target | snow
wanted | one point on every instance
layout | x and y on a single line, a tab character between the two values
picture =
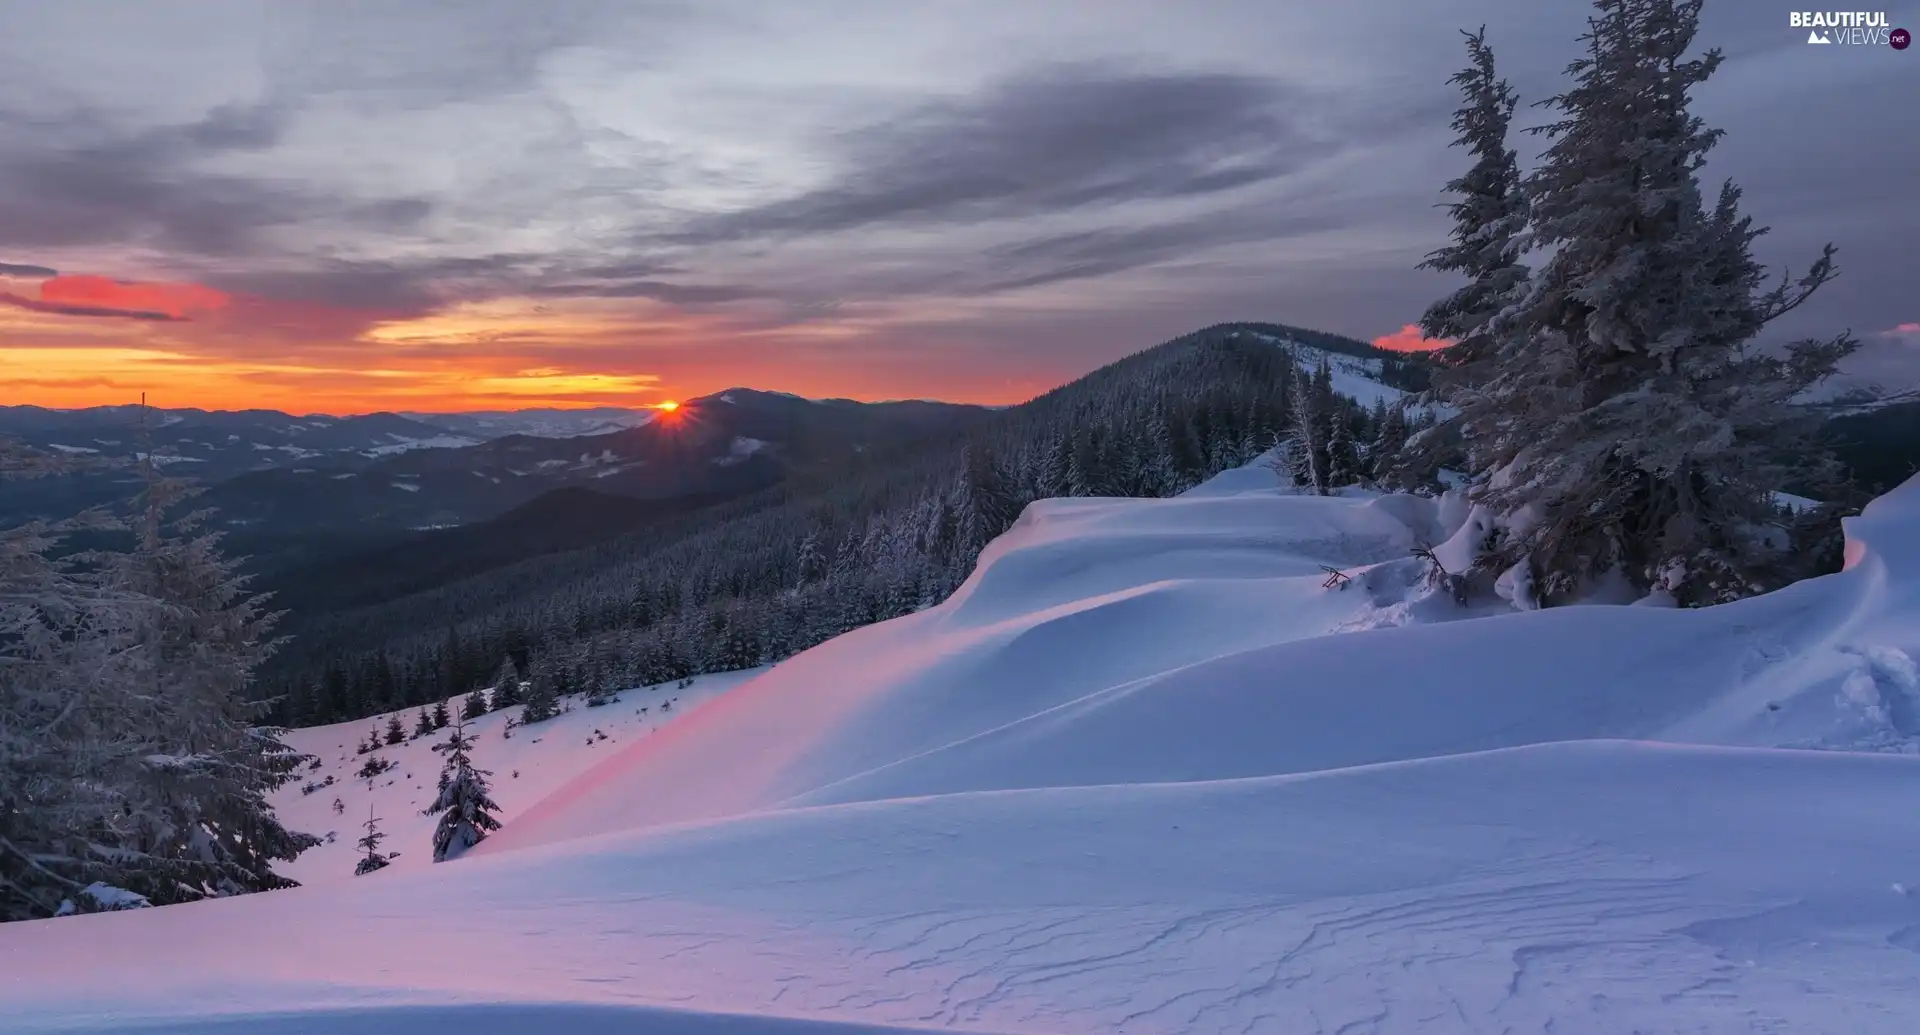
162	460
1885	370
535	423
1143	773
739	450
403	444
106	896
71	449
1356	378
1796	503
406	486
545	755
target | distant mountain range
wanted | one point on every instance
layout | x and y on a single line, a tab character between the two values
382	504
1884	371
725	444
540	423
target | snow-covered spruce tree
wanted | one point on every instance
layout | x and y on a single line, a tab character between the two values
466	811
1343	458
370	844
543	702
199	824
473	705
1627	424
1489	219
1392	469
1306	444
130	768
506	686
70	744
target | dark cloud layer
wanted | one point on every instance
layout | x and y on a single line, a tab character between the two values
78	180
1045	142
396	286
38	306
16	269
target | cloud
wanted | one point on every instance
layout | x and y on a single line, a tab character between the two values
739	195
407	286
1903	331
85	295
175	300
77	181
38	306
1409	339
1054	140
659	291
1103	251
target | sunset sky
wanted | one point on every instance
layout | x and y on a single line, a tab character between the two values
344	207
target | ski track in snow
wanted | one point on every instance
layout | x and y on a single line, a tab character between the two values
1141	774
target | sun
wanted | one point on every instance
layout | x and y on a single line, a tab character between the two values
667	407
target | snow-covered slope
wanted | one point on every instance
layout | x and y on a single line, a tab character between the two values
1146	773
1358	378
527	763
1885	370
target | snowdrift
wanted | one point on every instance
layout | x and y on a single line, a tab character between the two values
1146	773
1105	641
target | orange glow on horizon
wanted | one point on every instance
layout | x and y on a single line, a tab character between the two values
1409	339
77	341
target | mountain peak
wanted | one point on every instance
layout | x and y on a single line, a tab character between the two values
747	396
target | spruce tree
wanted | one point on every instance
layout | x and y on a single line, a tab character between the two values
473	706
466	811
423	725
396	733
69	739
1387	453
1306	438
1488	221
370	843
542	702
198	823
506	686
1343	458
1627	424
440	716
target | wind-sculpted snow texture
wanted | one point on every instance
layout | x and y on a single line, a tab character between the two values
1143	773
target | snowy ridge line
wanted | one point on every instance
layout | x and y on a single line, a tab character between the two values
798	802
1094	791
1070	573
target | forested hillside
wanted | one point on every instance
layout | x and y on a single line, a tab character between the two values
892	531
